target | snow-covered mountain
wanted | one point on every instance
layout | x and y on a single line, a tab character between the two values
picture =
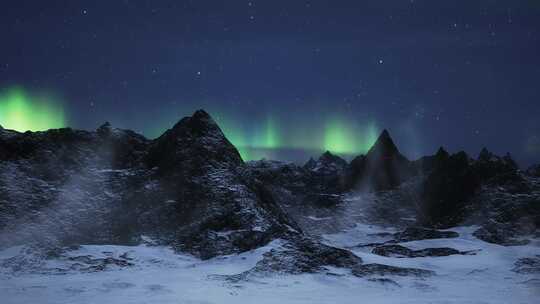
110	216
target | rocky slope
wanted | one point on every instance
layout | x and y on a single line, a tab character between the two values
65	187
189	189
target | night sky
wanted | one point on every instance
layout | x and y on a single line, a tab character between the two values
285	79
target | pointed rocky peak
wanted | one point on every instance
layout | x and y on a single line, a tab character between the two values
384	147
442	152
507	158
104	129
329	159
194	141
200	124
106	125
485	155
441	155
326	162
1	128
201	115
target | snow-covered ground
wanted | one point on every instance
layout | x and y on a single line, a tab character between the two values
158	275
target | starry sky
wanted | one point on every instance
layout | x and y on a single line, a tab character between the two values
285	79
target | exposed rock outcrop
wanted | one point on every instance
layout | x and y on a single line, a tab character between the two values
112	186
447	190
399	251
387	270
420	233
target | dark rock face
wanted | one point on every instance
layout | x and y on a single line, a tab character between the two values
404	252
193	144
408	235
112	186
383	167
223	213
300	255
303	255
427	164
33	260
386	270
327	162
500	234
490	165
327	173
190	189
447	190
420	233
506	218
306	193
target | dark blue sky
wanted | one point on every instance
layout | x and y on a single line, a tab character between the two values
462	74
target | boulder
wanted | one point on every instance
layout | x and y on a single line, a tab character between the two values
420	233
298	256
501	234
399	251
387	270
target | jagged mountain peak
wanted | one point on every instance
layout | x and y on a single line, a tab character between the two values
384	134
327	161
442	151
201	114
329	158
104	129
485	155
199	124
442	154
384	146
197	138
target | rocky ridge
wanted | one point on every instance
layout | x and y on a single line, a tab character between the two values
191	190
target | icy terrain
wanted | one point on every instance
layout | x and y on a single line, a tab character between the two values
158	275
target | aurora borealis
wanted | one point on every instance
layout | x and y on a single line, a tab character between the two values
285	80
339	136
23	111
267	136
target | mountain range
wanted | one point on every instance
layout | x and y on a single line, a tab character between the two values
190	190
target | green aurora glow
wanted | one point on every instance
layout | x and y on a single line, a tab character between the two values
255	138
22	111
339	136
265	136
342	137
